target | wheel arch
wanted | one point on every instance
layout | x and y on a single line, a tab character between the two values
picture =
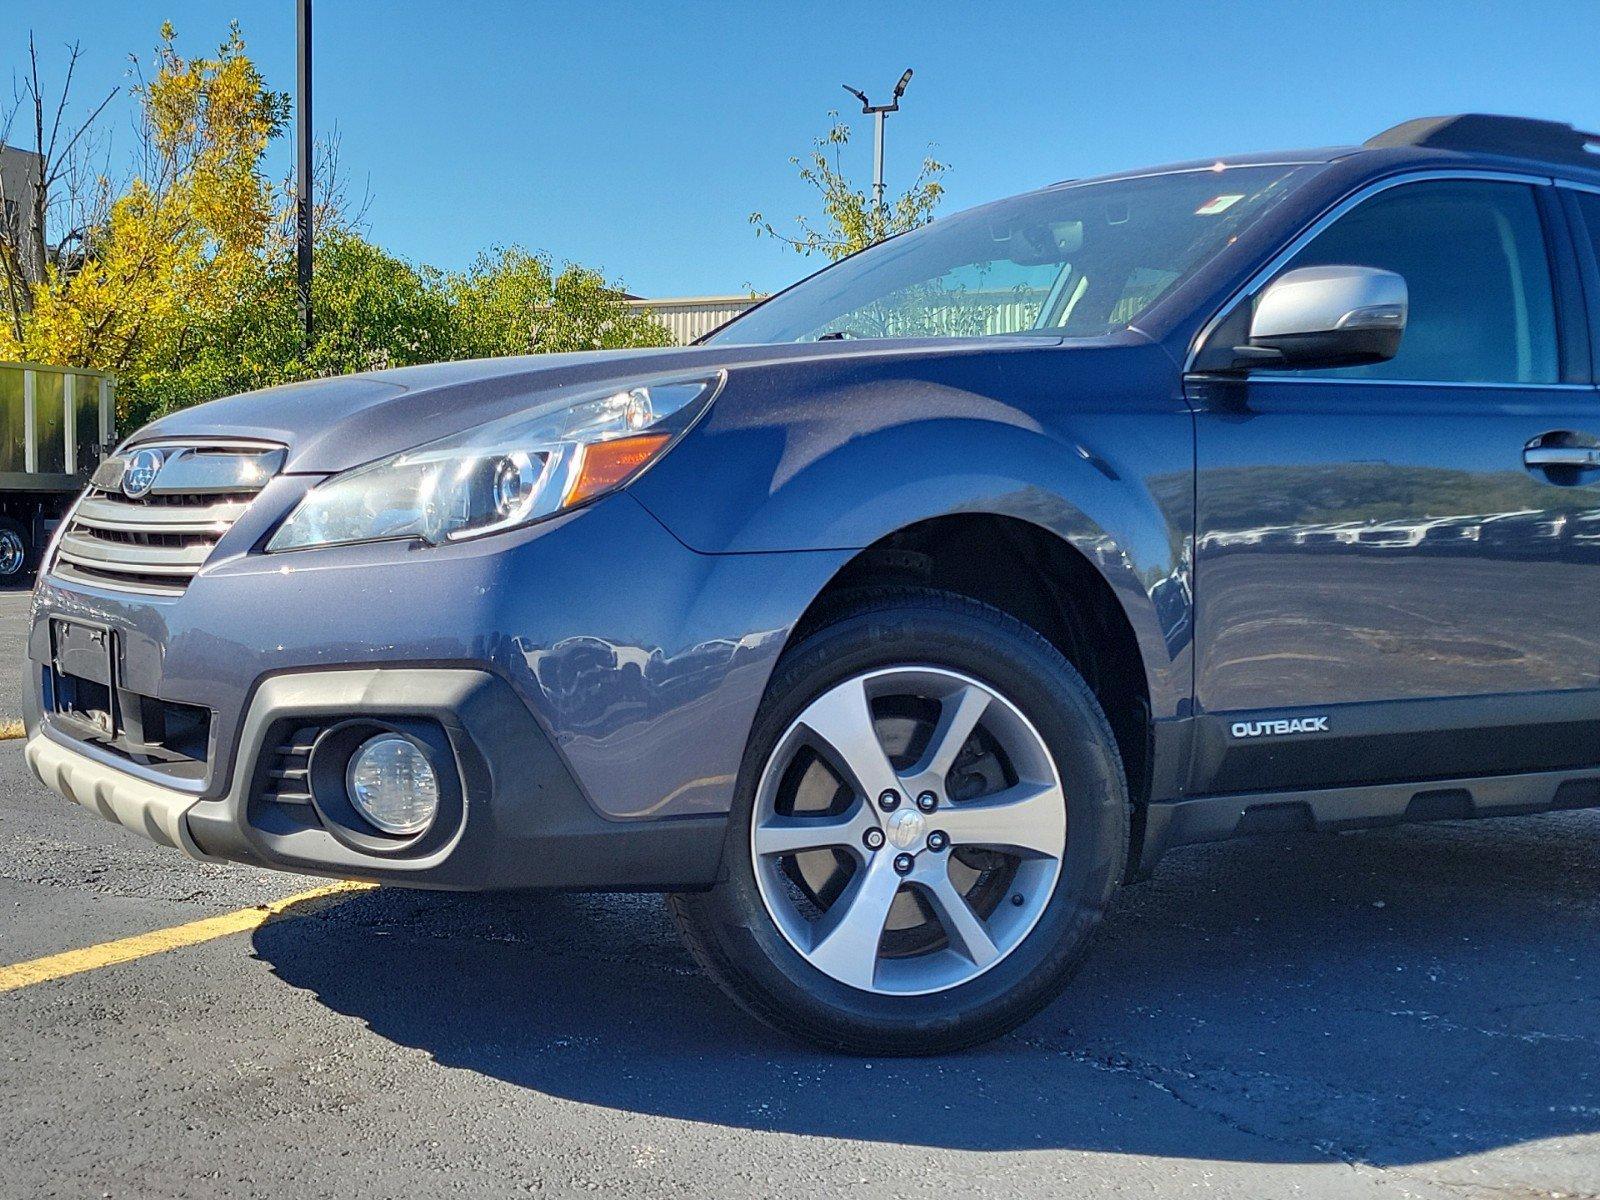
1043	580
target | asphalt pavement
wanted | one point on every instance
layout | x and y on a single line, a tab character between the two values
1408	1012
13	650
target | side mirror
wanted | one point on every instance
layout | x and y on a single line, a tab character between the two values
1335	316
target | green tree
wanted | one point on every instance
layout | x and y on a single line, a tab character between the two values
512	301
851	219
375	310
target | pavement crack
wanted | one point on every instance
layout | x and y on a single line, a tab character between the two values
1166	1079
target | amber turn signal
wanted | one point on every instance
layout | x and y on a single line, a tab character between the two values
608	464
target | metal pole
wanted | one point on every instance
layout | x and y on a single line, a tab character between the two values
69	420
877	158
303	164
880	114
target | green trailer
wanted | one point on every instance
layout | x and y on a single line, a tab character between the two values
55	424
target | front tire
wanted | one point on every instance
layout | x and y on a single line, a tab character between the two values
930	820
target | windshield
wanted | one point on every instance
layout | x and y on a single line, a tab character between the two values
1080	260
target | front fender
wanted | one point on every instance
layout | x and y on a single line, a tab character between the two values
800	464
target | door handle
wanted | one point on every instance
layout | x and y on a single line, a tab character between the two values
1558	451
1562	456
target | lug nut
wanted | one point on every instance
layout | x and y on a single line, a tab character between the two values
903	863
873	838
889	801
927	802
937	840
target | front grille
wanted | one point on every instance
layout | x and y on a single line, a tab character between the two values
157	542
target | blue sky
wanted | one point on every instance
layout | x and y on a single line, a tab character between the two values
638	137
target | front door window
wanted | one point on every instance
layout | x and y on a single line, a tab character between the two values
1473	257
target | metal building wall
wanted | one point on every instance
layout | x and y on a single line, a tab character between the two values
690	317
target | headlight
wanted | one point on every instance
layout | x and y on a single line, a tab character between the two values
501	475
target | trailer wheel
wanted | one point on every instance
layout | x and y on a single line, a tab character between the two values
16	551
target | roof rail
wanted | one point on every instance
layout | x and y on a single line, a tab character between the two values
1518	137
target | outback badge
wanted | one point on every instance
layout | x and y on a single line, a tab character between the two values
1255	729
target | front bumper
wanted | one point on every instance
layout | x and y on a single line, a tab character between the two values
596	678
521	821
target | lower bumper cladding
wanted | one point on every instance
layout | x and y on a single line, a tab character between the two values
516	817
157	812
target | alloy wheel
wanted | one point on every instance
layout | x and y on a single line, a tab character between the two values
908	830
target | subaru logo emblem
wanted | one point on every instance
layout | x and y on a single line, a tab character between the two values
905	828
139	473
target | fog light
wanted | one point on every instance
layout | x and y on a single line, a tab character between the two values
392	784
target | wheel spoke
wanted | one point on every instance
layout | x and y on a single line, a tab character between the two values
793	834
1030	819
842	718
847	937
959	715
962	926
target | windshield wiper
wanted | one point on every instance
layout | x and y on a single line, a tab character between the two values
835	335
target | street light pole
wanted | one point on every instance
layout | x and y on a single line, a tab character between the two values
879	114
303	165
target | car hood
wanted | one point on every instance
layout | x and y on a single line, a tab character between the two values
333	424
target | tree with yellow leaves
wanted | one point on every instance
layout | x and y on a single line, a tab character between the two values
189	235
185	287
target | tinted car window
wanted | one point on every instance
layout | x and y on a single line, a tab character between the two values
1589	205
1589	228
1474	259
1080	260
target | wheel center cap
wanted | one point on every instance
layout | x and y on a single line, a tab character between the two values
905	828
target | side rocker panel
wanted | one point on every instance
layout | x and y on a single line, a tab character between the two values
1217	818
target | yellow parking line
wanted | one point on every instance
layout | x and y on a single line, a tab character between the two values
159	941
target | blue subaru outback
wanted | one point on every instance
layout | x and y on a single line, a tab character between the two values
897	624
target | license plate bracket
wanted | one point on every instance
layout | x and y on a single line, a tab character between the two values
86	651
84	657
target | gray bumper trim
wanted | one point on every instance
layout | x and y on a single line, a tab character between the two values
525	823
146	808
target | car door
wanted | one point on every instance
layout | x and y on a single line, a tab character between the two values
1396	565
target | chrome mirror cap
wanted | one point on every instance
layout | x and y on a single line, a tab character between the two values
1322	317
1316	300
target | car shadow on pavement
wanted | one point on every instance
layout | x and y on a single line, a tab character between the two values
1385	997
